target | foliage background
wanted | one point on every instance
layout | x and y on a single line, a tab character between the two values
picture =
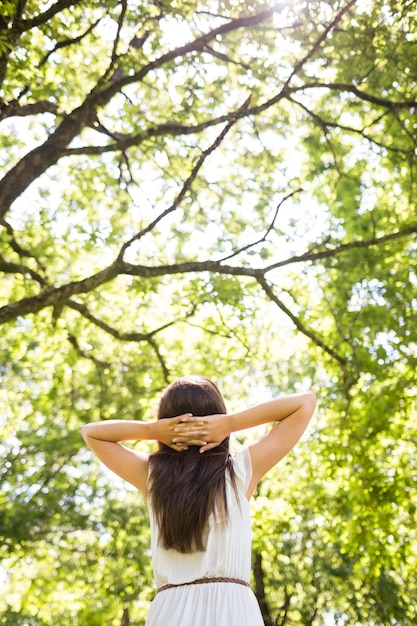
221	188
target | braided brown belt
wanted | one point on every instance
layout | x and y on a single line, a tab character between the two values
202	581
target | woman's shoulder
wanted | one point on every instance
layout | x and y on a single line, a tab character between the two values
242	465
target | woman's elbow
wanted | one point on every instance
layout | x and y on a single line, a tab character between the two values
86	431
310	403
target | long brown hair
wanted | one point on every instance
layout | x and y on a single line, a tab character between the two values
185	487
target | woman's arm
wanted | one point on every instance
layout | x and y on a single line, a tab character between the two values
294	415
104	440
291	415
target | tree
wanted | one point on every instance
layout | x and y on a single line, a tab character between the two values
221	188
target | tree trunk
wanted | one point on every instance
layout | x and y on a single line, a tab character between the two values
260	589
125	617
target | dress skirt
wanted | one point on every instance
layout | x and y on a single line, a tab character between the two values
227	555
209	604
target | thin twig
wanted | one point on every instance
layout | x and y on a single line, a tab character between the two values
269	229
233	117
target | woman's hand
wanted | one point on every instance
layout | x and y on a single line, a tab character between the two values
165	431
207	432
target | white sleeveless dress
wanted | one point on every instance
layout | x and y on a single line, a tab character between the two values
228	555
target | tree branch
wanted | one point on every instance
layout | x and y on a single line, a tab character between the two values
297	323
344	247
393	105
119	30
59	6
53	296
86	355
198	45
169	128
14	109
69	42
311	53
286	89
9	267
269	229
18	26
37	161
117	334
149	337
225	58
325	124
16	247
164	367
123	141
188	183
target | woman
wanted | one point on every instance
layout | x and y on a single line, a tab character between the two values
198	495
